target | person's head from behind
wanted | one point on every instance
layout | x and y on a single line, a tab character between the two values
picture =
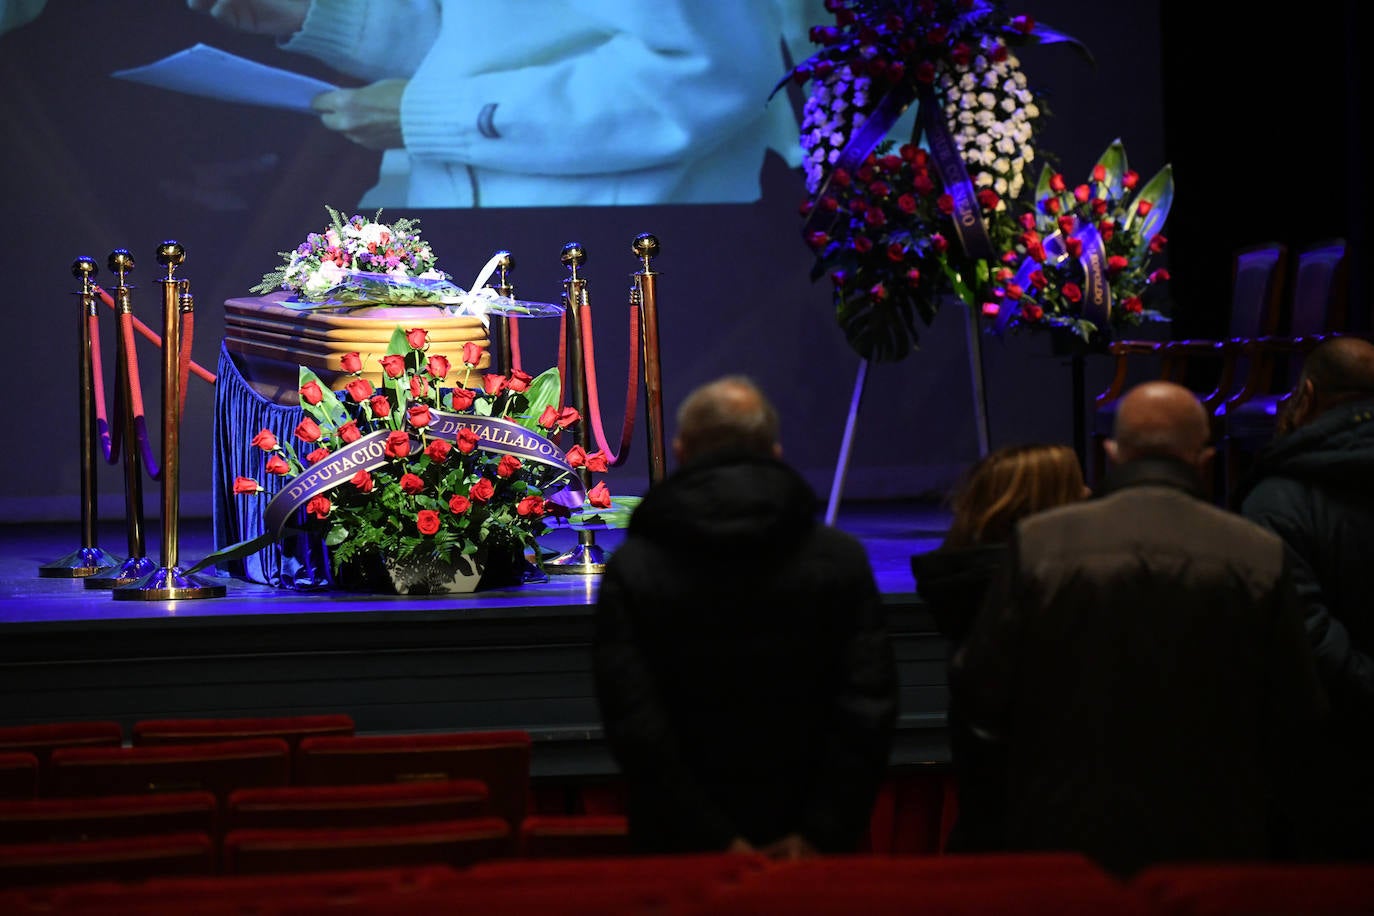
1008	484
729	414
1162	420
1336	371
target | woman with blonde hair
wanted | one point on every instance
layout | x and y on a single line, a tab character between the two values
998	491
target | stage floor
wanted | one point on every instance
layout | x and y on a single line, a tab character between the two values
516	658
891	532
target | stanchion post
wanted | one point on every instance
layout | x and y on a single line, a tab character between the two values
88	559
586	557
500	324
138	563
646	248
168	581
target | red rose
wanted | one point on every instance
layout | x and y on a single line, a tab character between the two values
1099	173
599	496
913	276
988	199
817	240
427	520
1027	221
311	393
507	466
415	337
245	485
277	465
1157	244
1117	263
381	406
530	505
419	416
349	432
906	203
438	366
548	418
362	481
418	387
360	389
482	490
1074	246
317	455
493	384
863	244
397	444
1072	292
925	72
1143	208
459	504
519	381
1015	291
265	440
393	365
318	507
577	456
1130	179
939	243
896	252
1133	304
1099	206
1052	206
307	430
438	450
597	462
945	203
463	398
472	354
1159	276
351	362
1032	312
878	292
567	416
1066	223
467	440
1082	193
411	483
1057	183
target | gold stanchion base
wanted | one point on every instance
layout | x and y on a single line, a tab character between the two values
84	561
168	583
131	570
582	560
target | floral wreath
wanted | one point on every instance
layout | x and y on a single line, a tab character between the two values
898	231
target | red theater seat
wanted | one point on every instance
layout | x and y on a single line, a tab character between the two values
291	729
218	768
382	805
456	843
57	819
18	775
42	740
121	858
551	836
1257	889
501	759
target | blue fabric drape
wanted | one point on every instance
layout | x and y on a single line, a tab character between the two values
298	561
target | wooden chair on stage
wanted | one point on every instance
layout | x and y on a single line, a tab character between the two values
457	843
18	775
500	759
1316	309
218	768
42	739
40	820
382	805
563	836
1257	286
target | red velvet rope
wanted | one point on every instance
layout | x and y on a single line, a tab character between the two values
109	443
157	340
513	335
616	458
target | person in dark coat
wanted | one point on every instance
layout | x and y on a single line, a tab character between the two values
1143	659
1314	487
744	673
1000	489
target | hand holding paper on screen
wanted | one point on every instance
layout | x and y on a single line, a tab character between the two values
212	73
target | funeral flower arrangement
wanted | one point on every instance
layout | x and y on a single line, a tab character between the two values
897	227
357	260
438	463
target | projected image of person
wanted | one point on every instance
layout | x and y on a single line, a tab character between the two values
549	102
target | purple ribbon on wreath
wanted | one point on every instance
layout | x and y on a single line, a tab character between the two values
1096	304
502	437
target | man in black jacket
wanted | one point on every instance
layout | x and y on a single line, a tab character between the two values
1143	660
743	669
1314	487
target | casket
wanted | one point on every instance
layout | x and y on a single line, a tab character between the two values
270	341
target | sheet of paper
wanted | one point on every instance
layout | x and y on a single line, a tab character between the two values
215	74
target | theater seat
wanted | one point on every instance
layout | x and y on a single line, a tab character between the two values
553	836
382	805
218	768
18	775
42	739
56	819
291	729
456	843
1257	889
121	858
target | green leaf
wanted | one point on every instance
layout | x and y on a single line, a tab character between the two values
1159	192
544	391
1113	160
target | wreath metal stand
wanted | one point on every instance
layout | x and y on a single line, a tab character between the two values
980	411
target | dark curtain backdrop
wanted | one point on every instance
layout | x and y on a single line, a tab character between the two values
91	164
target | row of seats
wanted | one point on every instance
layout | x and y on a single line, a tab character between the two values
688	885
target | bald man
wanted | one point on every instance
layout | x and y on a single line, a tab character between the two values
1314	487
1143	660
745	677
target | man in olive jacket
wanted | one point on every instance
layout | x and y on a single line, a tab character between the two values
745	676
1314	487
1144	661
